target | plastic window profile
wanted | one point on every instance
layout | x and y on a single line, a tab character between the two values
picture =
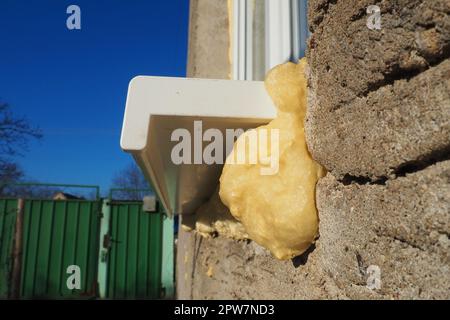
284	33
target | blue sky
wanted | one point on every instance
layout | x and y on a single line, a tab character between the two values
73	83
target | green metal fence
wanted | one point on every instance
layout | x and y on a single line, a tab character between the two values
57	235
117	246
8	211
135	252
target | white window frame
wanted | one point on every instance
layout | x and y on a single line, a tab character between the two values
285	30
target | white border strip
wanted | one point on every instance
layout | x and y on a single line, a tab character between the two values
286	31
278	32
242	60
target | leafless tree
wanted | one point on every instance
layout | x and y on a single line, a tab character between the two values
30	191
15	133
131	179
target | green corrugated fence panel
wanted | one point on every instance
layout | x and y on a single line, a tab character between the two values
134	261
58	234
8	212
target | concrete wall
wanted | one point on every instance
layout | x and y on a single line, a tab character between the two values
378	119
208	55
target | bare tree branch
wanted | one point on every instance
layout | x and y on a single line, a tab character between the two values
15	133
130	178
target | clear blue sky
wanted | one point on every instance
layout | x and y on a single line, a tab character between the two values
73	84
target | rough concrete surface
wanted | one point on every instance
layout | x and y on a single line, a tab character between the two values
403	227
208	55
244	270
379	99
379	120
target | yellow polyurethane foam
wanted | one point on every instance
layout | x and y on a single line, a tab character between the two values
278	211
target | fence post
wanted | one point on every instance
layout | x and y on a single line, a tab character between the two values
102	269
167	267
17	254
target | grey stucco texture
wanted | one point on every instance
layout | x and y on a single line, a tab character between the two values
379	100
379	120
401	227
